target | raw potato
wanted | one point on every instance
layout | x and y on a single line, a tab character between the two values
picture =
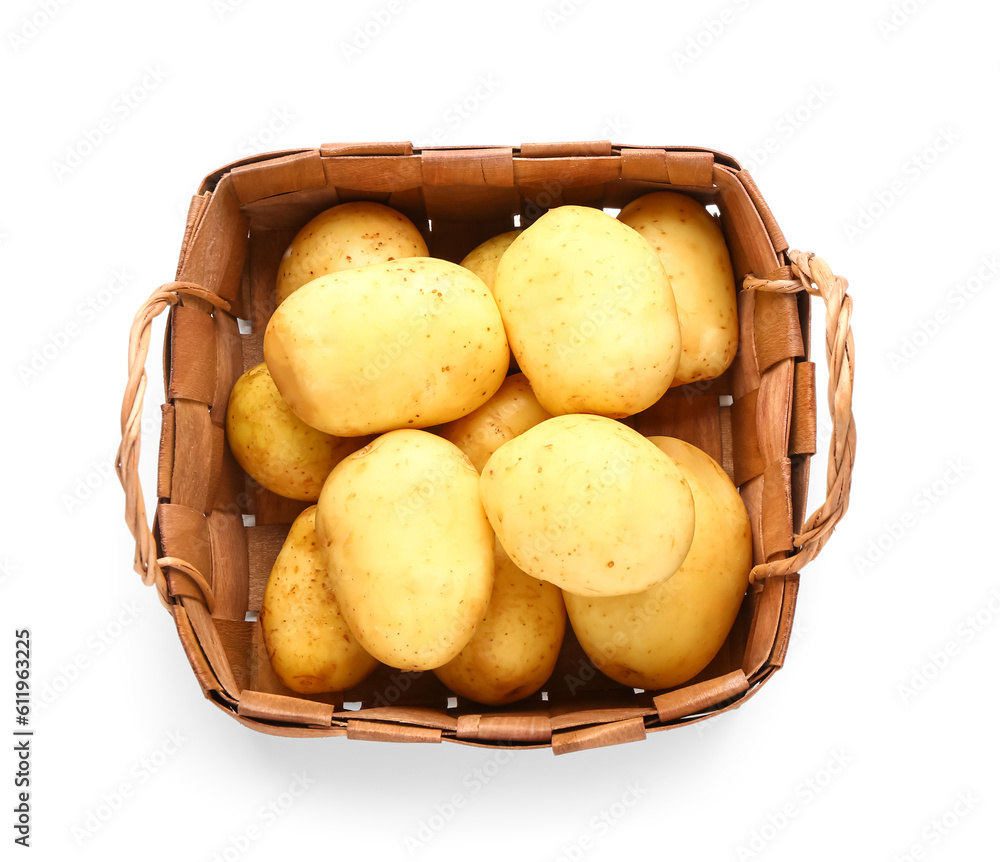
690	244
590	505
306	637
515	646
511	411
397	345
665	636
589	313
485	257
345	237
409	548
274	446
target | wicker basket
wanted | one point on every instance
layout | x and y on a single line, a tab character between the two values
216	533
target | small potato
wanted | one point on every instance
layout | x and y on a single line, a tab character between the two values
408	344
409	548
666	635
589	314
274	446
690	244
345	237
485	257
590	505
306	637
511	411
515	646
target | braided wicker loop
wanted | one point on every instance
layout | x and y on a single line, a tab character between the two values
146	562
804	271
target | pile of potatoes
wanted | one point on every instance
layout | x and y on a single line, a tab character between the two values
456	429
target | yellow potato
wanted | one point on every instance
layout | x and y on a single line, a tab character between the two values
274	446
306	637
398	345
590	505
485	257
409	548
589	314
690	244
666	635
511	411
345	237
516	644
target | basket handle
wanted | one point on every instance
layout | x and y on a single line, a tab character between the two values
147	564
804	271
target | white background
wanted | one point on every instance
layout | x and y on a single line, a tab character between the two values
877	738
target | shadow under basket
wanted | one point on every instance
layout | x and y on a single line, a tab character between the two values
216	533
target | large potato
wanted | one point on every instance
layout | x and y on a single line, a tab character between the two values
666	635
690	244
515	645
274	446
589	313
345	237
485	257
511	411
590	505
306	637
398	345
409	548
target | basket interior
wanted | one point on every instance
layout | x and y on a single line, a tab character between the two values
757	420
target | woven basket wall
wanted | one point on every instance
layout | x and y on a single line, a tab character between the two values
215	532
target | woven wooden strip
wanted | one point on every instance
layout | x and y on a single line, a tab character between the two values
374	173
518	727
263	544
229	565
193	439
802	440
236	637
557	149
196	211
747	458
744	371
279	708
273	176
646	163
192	335
252	349
208	640
694	419
574	714
630	730
265	249
390	148
228	365
691	168
749	245
701	697
165	455
377	731
776	510
784	633
206	677
217	247
408	715
489	166
774	410
764	627
566	171
777	334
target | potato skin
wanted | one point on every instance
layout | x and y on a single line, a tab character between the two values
512	410
343	237
515	646
409	344
485	257
409	548
666	635
590	505
693	251
274	446
309	643
589	313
